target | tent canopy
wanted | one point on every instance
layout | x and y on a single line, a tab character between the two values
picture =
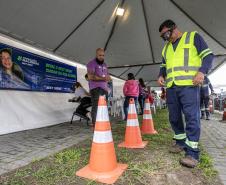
74	29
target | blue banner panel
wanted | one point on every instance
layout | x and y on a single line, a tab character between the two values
22	70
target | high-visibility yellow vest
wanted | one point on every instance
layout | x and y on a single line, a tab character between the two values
183	63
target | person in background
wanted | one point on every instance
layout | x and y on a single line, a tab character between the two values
98	78
142	95
150	96
155	96
204	97
186	58
82	96
163	97
130	90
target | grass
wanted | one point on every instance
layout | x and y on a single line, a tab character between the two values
146	166
206	165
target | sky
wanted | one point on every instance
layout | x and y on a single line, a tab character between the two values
218	78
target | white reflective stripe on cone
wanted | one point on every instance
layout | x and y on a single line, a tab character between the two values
102	136
102	114
147	116
132	122
132	108
147	106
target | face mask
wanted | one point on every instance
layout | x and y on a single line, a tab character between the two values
167	35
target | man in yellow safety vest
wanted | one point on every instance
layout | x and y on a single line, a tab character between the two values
186	58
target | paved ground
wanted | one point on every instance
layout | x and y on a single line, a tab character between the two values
214	140
19	149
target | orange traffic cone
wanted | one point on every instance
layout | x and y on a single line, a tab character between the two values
147	123
224	114
132	136
103	166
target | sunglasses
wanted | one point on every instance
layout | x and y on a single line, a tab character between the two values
166	35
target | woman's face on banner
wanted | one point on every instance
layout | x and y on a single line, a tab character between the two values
6	60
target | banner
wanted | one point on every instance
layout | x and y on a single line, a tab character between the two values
22	70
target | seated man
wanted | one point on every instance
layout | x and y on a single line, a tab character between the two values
82	96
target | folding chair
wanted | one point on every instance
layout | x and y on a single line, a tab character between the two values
81	117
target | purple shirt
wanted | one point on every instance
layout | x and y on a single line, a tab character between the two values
100	70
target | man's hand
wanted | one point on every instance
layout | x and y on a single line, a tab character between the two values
198	79
161	81
108	78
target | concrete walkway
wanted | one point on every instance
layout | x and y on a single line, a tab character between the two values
21	148
213	138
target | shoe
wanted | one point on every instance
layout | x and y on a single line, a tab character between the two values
189	162
207	118
176	149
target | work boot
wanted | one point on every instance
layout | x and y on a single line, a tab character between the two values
189	161
207	118
176	149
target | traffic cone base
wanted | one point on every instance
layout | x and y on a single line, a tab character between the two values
149	132
130	140
147	129
103	177
140	145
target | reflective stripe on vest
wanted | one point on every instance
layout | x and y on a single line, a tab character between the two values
102	136
179	78
191	144
182	68
169	80
184	77
186	51
166	50
180	136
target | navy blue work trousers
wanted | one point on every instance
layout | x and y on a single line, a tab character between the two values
185	100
